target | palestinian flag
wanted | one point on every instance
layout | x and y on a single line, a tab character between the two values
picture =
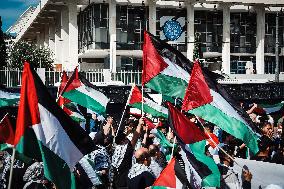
6	133
82	92
149	106
166	71
45	132
61	100
188	133
269	109
8	98
69	107
168	178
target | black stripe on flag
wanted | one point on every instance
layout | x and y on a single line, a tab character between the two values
77	135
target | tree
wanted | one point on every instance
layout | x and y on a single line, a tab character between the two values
38	57
3	52
197	52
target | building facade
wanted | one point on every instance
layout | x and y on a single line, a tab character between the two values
236	37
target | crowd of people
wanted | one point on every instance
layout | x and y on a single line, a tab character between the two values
134	155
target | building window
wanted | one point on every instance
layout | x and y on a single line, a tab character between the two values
130	26
243	32
93	27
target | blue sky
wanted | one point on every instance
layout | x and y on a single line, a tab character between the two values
10	10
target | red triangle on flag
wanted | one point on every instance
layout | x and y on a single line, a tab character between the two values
167	177
153	63
186	130
136	96
149	123
197	92
6	131
61	100
73	83
28	112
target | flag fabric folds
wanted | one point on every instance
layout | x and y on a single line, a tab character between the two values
197	93
167	71
44	132
69	107
6	133
189	134
82	92
186	130
149	105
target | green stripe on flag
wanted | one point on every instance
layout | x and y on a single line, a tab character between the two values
5	146
56	170
167	85
198	150
239	129
85	101
149	110
159	187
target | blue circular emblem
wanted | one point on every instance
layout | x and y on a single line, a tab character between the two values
172	30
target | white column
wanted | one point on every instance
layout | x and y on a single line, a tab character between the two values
190	30
58	42
51	37
41	38
65	39
112	34
226	62
152	16
260	34
46	35
73	35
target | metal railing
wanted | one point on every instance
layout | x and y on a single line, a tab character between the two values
12	77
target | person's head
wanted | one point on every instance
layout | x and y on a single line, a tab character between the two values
267	129
109	120
224	158
209	127
227	138
142	156
154	150
94	116
121	138
99	139
264	145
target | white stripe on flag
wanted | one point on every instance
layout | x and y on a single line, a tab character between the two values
53	136
94	94
174	70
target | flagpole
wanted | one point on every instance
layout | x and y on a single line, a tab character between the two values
219	147
127	103
172	154
11	169
142	108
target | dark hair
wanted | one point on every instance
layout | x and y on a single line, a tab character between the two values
228	149
142	157
99	139
264	143
120	137
154	150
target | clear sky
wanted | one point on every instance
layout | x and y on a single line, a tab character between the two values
10	10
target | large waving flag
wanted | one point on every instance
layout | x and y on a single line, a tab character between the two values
149	106
8	98
6	133
166	71
45	132
82	92
189	134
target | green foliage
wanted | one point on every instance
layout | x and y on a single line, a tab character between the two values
197	52
36	56
3	53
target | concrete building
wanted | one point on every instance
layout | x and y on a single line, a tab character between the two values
235	36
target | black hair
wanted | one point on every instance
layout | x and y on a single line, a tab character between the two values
154	150
264	143
142	157
120	137
228	149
